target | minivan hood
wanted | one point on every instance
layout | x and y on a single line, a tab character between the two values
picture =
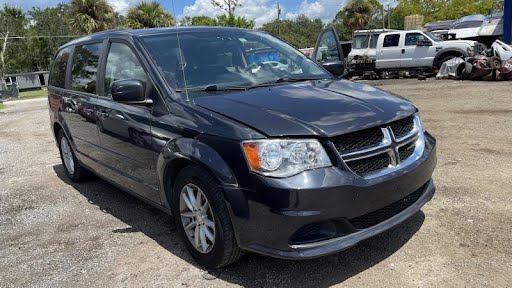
321	108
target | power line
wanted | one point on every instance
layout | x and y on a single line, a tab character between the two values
44	36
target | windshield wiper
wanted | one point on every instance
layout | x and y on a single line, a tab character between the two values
284	80
288	79
212	88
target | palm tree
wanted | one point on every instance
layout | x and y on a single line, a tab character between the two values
357	14
88	16
148	15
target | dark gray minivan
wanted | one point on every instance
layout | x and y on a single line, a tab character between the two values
249	144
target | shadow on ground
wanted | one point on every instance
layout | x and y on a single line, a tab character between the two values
252	270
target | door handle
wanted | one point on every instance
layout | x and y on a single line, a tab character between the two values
403	51
103	115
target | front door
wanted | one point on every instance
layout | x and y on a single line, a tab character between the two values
416	56
125	129
328	52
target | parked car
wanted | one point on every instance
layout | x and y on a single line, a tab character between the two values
283	161
420	50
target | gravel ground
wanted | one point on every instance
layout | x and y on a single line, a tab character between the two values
57	234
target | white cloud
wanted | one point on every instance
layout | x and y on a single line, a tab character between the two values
122	6
261	11
323	9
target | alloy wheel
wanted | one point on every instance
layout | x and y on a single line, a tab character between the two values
67	155
197	218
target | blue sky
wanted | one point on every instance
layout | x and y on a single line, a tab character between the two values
261	11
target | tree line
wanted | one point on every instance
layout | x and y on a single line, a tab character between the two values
28	40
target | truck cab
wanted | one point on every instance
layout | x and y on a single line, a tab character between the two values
419	50
361	58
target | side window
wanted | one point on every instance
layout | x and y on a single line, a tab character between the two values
327	48
85	67
58	72
391	40
412	38
122	64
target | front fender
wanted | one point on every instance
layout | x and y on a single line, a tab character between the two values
197	152
443	52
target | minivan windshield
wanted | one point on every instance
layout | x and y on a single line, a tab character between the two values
223	59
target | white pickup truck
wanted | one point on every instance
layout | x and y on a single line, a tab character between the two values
419	50
394	51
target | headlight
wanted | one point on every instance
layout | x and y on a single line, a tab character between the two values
284	158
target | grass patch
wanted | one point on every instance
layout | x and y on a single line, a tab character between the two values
33	94
2	106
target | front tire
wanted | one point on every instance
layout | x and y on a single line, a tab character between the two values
202	218
74	170
449	57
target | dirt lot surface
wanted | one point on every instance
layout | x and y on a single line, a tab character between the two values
57	234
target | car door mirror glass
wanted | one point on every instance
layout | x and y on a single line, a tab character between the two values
129	90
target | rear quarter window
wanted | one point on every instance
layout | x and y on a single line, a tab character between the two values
85	67
58	71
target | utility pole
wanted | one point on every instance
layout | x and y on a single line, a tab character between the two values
389	15
383	19
278	19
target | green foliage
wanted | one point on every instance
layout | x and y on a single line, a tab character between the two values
148	15
227	5
221	20
12	23
48	22
436	10
232	21
356	15
198	21
88	16
301	32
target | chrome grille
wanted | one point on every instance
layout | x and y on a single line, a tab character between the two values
358	140
380	150
402	128
368	165
406	151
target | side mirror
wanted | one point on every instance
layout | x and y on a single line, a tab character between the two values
423	43
129	91
335	67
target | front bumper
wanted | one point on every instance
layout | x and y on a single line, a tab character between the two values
268	217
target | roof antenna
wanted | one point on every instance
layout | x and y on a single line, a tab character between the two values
181	59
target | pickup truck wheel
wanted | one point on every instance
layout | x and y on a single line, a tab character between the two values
202	218
74	170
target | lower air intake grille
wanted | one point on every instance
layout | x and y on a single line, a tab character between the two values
383	214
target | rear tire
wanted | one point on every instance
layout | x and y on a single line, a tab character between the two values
224	250
74	170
